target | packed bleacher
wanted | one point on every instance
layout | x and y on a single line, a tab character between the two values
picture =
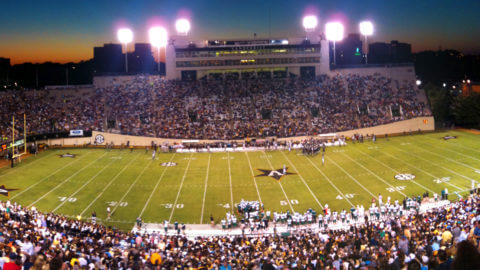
444	237
217	109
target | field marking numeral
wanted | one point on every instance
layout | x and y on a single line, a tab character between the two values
114	203
190	158
477	171
286	203
397	188
227	205
347	196
169	205
442	180
373	147
266	156
225	158
405	143
338	151
67	199
116	158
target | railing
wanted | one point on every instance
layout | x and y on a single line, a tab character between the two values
386	65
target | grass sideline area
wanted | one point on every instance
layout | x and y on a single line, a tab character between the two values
203	184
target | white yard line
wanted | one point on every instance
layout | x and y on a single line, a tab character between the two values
131	186
456	152
180	188
449	159
84	185
413	166
374	174
455	144
23	167
331	183
280	184
155	188
66	180
303	180
443	167
395	171
353	178
253	175
107	186
205	190
230	178
45	178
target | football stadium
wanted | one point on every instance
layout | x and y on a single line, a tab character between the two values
253	153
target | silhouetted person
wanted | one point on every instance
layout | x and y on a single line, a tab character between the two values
444	262
467	257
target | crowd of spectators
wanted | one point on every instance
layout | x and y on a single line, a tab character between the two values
217	109
440	238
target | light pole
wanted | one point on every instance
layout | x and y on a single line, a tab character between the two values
158	38
125	36
334	32
366	28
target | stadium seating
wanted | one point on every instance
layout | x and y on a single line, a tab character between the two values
445	237
216	109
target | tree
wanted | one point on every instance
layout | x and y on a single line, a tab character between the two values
466	110
440	101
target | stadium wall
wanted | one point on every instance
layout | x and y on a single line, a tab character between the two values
411	125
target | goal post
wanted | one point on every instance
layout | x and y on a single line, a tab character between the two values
18	145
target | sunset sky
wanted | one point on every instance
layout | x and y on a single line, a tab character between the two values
64	31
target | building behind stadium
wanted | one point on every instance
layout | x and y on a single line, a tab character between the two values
307	57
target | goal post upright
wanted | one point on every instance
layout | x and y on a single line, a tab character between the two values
24	133
24	137
13	136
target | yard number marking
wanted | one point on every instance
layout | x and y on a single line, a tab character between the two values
63	199
283	203
397	188
114	203
348	196
442	180
170	205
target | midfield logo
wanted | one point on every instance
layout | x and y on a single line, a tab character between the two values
68	155
4	191
275	174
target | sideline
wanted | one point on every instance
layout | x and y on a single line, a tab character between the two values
206	230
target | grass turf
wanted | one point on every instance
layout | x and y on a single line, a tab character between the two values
203	184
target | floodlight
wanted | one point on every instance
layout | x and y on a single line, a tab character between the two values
468	81
418	82
182	26
158	36
444	84
125	35
366	28
310	22
334	31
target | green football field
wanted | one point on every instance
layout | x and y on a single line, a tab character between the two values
203	184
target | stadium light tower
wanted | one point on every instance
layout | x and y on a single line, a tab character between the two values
182	26
366	28
310	22
125	36
158	38
334	32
